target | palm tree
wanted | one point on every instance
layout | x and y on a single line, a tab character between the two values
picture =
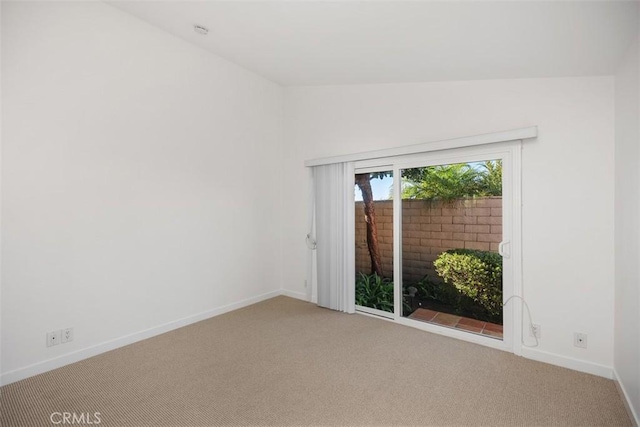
491	178
443	182
448	182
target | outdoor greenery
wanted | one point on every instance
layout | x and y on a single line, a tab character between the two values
491	180
469	282
429	289
444	182
475	274
363	181
377	292
374	291
448	182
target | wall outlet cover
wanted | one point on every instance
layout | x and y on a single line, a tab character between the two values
535	331
66	335
580	340
53	338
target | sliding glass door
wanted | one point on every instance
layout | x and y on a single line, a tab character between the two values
435	242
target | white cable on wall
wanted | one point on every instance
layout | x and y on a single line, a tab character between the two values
522	324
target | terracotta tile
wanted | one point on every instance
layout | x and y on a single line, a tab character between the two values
463	323
423	314
492	334
493	327
472	322
469	328
446	319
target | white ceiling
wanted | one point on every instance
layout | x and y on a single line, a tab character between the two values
354	42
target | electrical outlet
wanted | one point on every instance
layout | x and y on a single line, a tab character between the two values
66	335
53	338
535	331
580	340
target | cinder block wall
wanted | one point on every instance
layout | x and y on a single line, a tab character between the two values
428	229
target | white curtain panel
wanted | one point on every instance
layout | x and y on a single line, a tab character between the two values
335	244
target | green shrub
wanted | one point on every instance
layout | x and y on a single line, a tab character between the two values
374	292
446	293
429	289
476	274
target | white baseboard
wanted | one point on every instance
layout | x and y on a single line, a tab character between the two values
568	362
297	295
76	356
625	398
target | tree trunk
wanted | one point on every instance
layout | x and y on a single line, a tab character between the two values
364	183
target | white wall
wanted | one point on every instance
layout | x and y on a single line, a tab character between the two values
139	180
627	231
568	183
1	132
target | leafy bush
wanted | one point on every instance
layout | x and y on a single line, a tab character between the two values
476	274
429	289
446	294
374	291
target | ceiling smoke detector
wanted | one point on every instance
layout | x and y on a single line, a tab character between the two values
201	30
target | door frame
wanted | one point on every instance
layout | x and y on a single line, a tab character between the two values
511	154
361	308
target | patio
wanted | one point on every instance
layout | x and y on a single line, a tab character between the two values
458	322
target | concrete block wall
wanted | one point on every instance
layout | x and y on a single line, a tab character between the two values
428	229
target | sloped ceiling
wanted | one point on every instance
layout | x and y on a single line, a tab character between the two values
353	42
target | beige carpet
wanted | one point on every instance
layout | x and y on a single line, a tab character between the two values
287	362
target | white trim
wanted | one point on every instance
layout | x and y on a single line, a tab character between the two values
469	141
374	312
533	354
397	243
528	353
76	356
454	155
309	284
516	248
375	316
625	399
378	168
568	362
460	334
350	240
292	294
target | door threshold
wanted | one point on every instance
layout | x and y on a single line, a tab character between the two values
474	326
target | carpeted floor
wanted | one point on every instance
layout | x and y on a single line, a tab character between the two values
287	362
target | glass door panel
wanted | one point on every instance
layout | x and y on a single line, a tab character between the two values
451	231
374	242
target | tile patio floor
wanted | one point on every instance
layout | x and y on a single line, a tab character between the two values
458	322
